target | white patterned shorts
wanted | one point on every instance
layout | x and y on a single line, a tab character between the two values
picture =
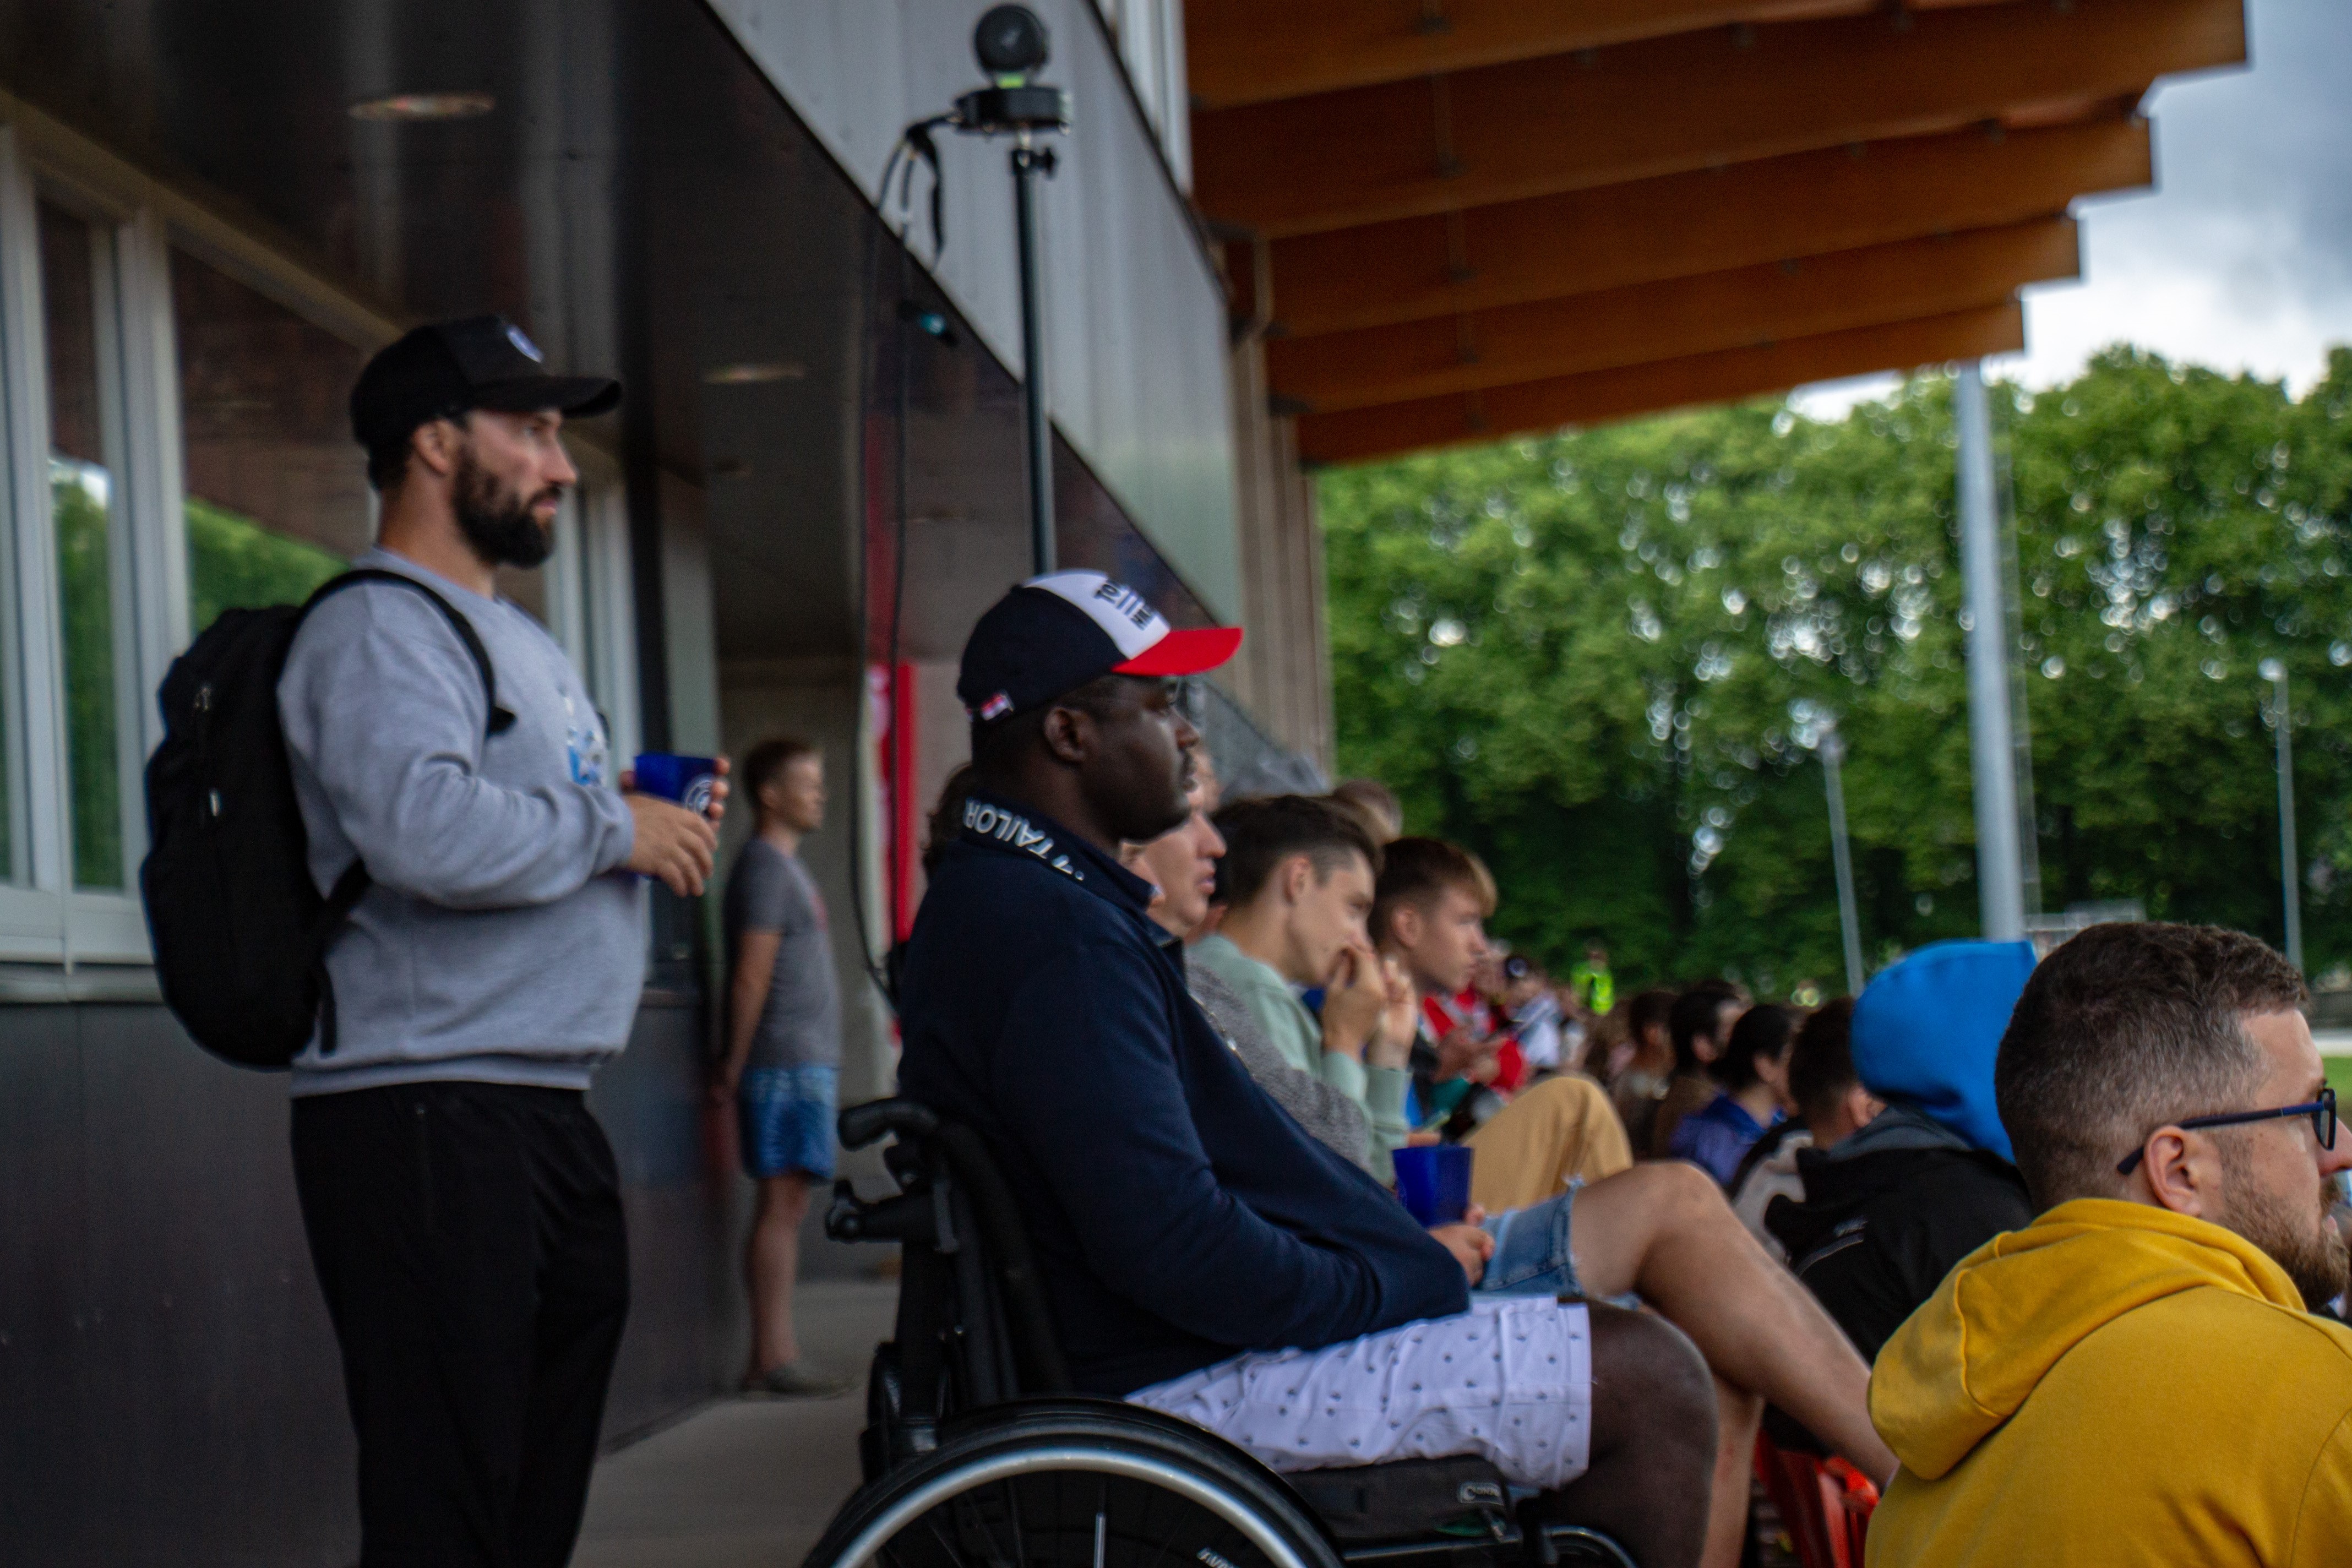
1510	1380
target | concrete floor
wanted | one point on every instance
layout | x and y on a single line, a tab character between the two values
745	1483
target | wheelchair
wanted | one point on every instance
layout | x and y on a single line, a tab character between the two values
976	1454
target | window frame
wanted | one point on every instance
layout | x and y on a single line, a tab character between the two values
32	910
592	595
45	921
105	925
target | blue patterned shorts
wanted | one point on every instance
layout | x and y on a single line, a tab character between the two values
786	1118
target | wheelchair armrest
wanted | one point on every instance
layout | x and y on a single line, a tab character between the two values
862	1124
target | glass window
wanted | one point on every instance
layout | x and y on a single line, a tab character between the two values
85	463
278	492
276	489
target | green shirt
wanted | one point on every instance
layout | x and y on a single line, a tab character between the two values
1293	1032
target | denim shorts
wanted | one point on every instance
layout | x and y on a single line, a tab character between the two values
1532	1256
786	1118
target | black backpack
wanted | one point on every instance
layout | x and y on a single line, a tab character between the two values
239	930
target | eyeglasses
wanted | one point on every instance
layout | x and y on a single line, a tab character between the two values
2322	1112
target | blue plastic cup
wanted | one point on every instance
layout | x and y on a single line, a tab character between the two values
685	779
1434	1180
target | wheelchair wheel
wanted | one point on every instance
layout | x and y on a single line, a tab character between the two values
1075	1484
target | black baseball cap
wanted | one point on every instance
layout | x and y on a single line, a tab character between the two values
449	368
1053	634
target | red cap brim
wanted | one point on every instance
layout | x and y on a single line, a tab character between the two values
1184	653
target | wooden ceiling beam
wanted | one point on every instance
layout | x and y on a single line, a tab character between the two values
1673	320
1341	159
1677	225
1364	435
1252	51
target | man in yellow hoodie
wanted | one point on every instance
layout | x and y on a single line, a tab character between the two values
2133	1377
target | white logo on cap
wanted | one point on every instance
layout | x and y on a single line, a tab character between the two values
530	350
1122	613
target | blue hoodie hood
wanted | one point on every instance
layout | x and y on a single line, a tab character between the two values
1926	1032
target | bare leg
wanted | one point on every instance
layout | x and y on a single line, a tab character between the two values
1738	1415
1664	1230
1654	1441
771	1261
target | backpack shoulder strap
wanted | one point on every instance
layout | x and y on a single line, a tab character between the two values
502	719
353	884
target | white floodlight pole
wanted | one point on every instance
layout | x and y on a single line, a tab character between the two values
2001	876
1841	855
2290	883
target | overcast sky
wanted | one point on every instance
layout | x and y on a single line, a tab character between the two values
2241	257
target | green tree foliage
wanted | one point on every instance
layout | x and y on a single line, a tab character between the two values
233	561
86	605
1603	659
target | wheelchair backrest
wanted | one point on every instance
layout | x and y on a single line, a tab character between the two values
974	1329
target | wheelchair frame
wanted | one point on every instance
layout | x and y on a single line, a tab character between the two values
973	1391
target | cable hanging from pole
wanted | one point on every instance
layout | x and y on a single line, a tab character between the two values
1011	45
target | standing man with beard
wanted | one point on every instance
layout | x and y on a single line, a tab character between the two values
462	1205
2133	1378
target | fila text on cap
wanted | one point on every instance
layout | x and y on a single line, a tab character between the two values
1147	644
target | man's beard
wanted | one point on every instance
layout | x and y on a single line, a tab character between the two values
498	523
2314	1256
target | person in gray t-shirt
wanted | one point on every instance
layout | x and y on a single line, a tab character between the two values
784	1046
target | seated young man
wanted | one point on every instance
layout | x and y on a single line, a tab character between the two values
1429	915
1831	1105
1182	865
1298	882
1886	1212
1186	1230
2133	1378
1753	1070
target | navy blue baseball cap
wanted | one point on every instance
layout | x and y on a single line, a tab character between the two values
1054	634
449	368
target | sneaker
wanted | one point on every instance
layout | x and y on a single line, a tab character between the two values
797	1379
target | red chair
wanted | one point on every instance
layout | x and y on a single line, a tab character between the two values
1825	1504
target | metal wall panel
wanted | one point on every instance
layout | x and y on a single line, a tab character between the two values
169	1378
1135	329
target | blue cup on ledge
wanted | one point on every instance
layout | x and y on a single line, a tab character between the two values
1434	1180
685	779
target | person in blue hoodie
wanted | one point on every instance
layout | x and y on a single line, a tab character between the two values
1890	1208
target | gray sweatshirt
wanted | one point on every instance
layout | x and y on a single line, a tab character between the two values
498	942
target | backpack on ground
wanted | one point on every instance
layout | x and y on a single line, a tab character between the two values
240	929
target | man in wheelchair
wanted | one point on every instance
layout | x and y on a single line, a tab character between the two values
1199	1253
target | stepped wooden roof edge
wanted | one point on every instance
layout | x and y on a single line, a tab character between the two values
1457	219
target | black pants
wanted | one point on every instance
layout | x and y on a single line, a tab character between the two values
468	1240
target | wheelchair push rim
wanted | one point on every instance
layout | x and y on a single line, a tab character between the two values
1220	1502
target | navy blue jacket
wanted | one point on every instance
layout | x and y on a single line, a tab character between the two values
1180	1217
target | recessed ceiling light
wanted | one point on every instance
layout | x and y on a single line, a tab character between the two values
425	105
754	372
